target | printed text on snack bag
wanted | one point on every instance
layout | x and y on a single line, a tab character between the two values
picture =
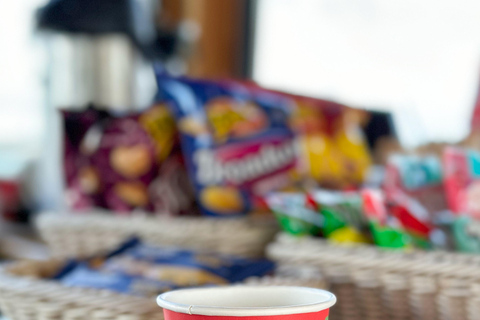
268	159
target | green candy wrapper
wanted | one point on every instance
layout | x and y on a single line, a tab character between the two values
335	215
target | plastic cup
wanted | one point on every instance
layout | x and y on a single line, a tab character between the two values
249	302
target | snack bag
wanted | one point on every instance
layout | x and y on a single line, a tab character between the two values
125	162
138	268
400	222
236	142
420	177
83	275
333	150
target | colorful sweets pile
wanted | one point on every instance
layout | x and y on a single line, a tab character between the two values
426	202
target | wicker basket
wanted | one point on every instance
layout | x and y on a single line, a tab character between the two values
80	235
389	284
25	294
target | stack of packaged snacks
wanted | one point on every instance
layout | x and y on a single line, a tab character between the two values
236	141
125	162
145	270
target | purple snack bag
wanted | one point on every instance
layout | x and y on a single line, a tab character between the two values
125	162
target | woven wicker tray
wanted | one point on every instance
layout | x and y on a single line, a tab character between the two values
374	284
80	235
25	294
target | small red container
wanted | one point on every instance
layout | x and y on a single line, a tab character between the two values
247	302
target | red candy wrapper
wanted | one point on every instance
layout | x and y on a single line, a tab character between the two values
419	177
399	222
462	181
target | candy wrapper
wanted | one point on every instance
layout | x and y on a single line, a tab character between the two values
462	186
419	177
342	211
125	162
236	142
295	213
335	215
466	234
462	181
400	222
141	269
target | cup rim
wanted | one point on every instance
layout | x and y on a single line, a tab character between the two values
326	300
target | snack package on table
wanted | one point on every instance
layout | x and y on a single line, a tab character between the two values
335	215
400	222
124	162
420	177
236	142
141	269
462	187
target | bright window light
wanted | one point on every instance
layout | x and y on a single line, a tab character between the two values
418	59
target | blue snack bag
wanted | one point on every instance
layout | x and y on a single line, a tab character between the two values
236	142
141	269
82	275
183	267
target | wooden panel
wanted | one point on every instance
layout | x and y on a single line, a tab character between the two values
171	13
219	51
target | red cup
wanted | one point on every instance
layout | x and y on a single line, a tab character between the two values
248	302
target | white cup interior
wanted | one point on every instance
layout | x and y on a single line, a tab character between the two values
247	300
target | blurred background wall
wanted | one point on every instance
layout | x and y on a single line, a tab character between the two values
419	65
